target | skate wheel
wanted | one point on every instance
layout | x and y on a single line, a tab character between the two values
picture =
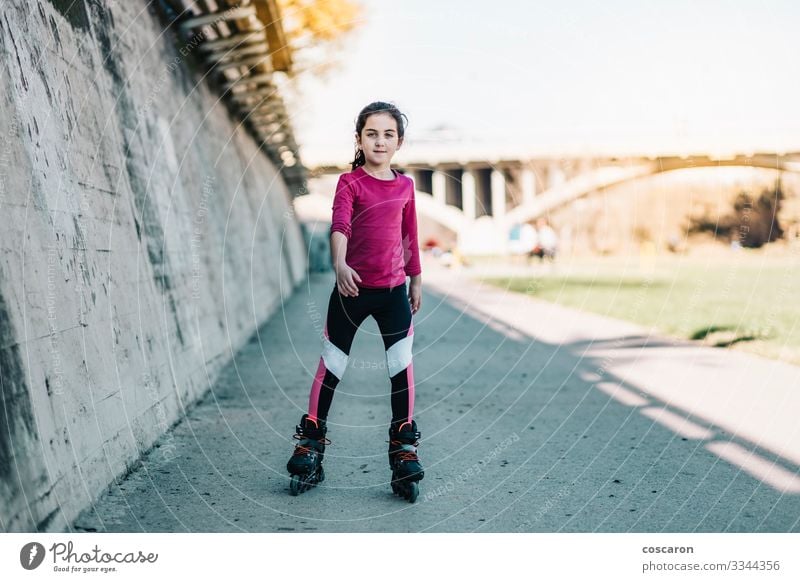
321	475
295	485
413	491
394	488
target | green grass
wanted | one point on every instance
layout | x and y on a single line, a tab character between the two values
746	302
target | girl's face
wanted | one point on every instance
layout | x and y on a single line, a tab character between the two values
379	140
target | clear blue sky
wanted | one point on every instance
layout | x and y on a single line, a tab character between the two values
562	76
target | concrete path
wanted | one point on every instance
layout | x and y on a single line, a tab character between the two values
535	418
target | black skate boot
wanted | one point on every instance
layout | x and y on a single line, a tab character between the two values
305	466
403	460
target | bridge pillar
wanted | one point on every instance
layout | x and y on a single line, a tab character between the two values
439	187
468	193
498	192
555	175
528	179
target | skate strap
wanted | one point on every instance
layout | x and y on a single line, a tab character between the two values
308	439
313	433
404	446
407	453
407	435
302	449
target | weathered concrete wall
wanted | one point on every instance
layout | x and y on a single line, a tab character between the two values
143	237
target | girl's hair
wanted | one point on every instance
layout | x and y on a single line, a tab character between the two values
361	121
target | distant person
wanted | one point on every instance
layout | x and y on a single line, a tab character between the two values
522	239
674	244
431	243
433	247
546	244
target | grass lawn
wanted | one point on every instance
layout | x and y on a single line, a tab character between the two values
743	300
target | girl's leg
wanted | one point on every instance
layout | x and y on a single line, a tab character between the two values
394	321
345	315
397	329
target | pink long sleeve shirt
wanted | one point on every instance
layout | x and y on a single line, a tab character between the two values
379	219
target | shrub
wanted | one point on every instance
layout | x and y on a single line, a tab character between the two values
752	223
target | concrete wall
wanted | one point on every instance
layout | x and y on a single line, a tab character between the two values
143	237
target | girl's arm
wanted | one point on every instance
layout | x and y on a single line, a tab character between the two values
346	277
415	293
338	250
410	242
411	254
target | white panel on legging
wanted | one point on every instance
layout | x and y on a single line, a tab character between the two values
334	358
398	356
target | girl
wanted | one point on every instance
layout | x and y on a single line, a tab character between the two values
373	247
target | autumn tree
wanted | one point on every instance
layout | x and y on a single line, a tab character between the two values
315	31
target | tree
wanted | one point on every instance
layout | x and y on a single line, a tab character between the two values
315	31
753	223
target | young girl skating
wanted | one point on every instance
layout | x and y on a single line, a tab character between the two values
373	247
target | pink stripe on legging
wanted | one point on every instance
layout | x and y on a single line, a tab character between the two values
316	385
410	373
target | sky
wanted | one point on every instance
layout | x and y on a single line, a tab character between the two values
557	78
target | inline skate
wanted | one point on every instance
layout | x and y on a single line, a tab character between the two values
403	460
305	465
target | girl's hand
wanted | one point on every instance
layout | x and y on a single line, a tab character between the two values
415	295
346	279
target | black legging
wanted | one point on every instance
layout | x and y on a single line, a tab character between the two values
390	308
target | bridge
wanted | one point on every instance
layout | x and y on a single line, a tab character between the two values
478	202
